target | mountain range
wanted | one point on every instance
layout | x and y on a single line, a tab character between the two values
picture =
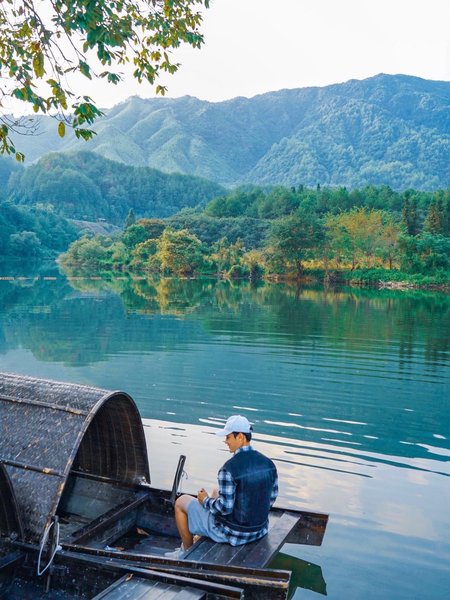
388	129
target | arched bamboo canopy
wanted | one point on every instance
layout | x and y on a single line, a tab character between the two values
50	428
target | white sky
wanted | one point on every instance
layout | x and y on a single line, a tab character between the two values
255	46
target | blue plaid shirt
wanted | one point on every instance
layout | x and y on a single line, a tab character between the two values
224	503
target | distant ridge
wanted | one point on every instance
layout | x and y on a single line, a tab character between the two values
388	129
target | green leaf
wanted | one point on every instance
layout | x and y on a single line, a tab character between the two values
85	69
61	129
38	64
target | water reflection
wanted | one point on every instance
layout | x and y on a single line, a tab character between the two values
348	390
308	363
388	534
305	575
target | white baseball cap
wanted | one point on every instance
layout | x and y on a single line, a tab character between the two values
235	424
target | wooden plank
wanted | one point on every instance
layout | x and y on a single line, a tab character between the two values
262	551
177	574
255	554
309	530
111	516
144	591
151	519
109	590
200	550
215	553
191	594
129	587
11	559
182	594
133	588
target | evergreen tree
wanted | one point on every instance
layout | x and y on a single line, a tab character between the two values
436	221
410	216
131	219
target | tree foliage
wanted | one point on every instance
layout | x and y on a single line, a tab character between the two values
42	44
180	252
360	235
388	130
32	232
343	237
293	238
87	186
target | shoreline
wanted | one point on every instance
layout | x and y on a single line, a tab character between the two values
338	278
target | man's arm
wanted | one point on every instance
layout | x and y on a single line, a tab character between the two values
224	503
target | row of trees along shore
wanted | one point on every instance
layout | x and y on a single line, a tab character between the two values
370	234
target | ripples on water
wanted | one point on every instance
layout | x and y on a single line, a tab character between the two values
348	391
388	531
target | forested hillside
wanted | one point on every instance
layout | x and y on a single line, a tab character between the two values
388	129
7	167
287	232
86	186
27	233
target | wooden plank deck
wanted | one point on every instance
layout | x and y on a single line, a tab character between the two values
130	587
255	554
11	559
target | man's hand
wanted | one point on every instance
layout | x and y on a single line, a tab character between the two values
201	495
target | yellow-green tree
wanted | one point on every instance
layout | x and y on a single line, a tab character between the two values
361	236
253	261
389	247
142	230
180	252
226	255
145	256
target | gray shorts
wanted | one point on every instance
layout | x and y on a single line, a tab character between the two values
201	522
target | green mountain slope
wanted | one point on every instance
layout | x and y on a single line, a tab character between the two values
86	186
388	129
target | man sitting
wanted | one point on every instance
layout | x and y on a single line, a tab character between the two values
237	512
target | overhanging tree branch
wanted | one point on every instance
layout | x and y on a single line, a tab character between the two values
44	42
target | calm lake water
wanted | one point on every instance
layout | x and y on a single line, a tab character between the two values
348	390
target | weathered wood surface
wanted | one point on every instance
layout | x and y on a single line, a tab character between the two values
86	564
309	530
130	587
114	523
254	554
74	575
259	584
11	559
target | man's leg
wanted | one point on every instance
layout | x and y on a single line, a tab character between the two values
181	519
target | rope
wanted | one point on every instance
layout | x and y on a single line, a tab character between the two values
43	542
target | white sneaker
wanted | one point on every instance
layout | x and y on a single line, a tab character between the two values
178	553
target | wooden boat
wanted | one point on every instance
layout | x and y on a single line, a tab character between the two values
77	459
76	577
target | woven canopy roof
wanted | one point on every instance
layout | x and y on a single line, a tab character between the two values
48	428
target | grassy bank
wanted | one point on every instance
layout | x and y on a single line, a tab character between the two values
383	278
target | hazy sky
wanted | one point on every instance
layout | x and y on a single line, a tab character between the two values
255	46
